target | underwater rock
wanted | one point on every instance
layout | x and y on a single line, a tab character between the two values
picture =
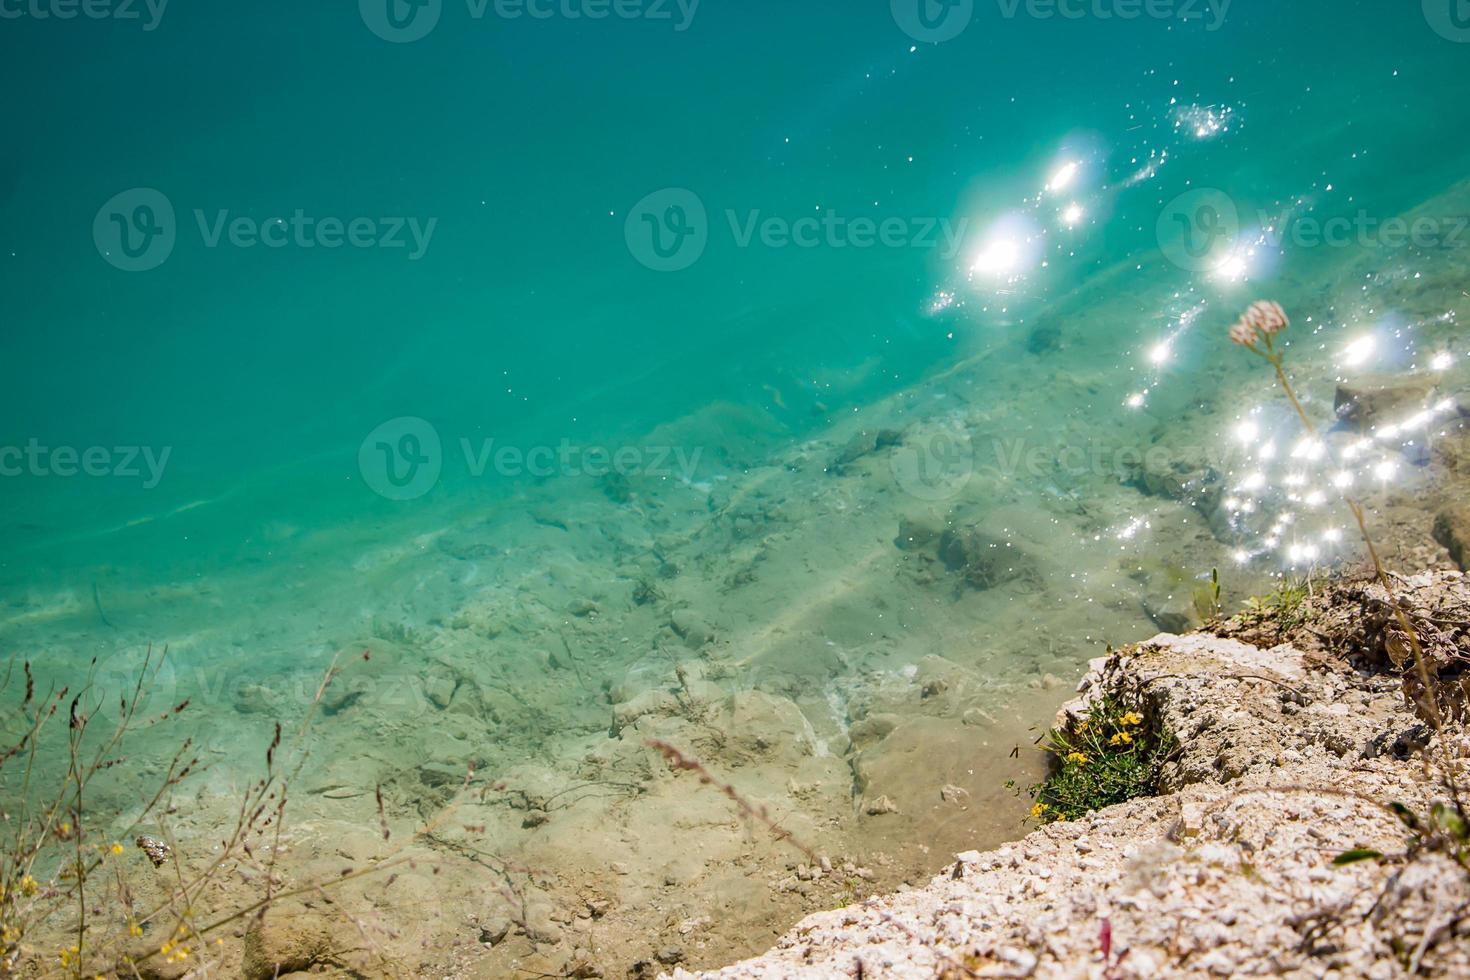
494	928
255	699
760	725
1452	529
1371	402
472	545
693	630
278	944
981	560
651	702
880	806
616	487
873	728
1044	339
582	608
1453	452
916	535
539	926
439	687
1172	613
866	443
1188	478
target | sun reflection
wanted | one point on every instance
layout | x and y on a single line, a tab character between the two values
1202	122
1360	350
1234	266
1281	503
1063	176
1000	257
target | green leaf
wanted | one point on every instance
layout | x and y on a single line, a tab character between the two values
1355	855
1405	815
1451	820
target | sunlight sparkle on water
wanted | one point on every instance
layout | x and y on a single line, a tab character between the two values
1359	351
1062	178
1000	257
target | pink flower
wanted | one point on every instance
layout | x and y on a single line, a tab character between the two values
1244	334
1267	317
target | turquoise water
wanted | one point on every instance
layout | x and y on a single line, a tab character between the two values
590	387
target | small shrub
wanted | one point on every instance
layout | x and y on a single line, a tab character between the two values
1110	756
1287	607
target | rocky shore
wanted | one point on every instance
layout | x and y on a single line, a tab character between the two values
1295	739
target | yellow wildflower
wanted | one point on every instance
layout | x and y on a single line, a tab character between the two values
1038	809
116	848
1132	719
1078	758
1122	738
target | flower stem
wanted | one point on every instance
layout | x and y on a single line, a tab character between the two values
1420	661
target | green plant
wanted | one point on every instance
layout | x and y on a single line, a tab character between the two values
1287	606
1207	600
1110	755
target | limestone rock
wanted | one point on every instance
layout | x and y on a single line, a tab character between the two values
1375	401
1452	529
283	942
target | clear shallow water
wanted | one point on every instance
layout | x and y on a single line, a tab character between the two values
1023	241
